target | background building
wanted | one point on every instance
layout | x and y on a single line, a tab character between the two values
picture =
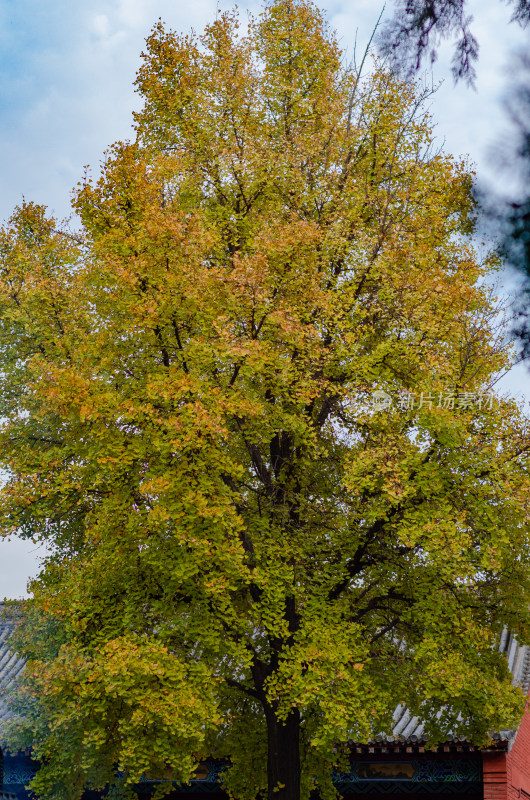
396	765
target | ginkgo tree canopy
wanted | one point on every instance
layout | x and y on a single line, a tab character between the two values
253	559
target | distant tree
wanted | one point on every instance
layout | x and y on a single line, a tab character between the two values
415	31
513	213
248	406
418	27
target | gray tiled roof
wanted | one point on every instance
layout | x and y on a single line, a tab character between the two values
410	729
406	728
10	664
518	660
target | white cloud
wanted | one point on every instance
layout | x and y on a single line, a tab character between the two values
100	25
19	561
135	13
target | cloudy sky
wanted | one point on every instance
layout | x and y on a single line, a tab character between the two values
66	74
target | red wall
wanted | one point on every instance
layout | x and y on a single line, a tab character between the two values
518	760
507	775
494	773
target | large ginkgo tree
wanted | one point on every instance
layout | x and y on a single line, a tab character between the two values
248	403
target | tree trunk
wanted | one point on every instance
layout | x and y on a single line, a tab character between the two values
283	756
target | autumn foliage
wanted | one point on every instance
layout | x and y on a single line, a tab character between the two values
251	559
